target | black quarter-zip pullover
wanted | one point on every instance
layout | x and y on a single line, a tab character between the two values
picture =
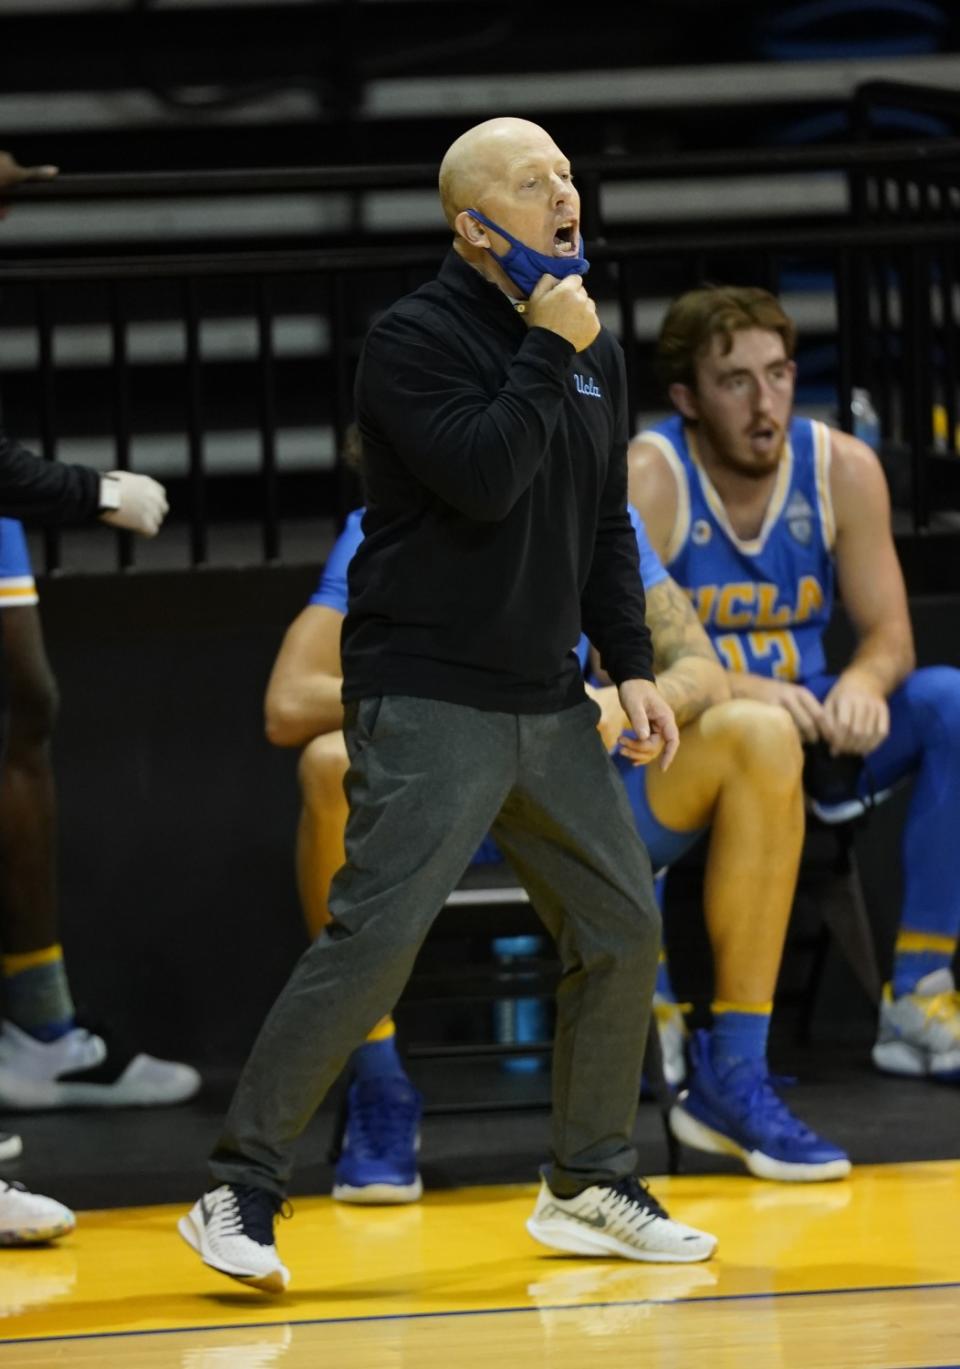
496	524
42	491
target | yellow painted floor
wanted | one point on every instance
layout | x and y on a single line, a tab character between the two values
860	1273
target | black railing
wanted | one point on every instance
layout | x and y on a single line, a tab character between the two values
255	350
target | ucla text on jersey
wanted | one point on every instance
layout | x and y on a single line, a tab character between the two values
765	601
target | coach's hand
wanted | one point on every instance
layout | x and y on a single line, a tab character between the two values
654	726
612	720
564	307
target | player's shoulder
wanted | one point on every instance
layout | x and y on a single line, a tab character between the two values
858	485
654	455
851	457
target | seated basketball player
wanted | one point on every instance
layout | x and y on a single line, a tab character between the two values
756	513
738	769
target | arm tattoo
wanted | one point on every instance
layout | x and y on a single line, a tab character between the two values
685	662
677	631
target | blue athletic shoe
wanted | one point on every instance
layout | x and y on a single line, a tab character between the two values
740	1114
378	1158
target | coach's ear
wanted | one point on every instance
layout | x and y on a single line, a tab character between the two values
470	229
684	400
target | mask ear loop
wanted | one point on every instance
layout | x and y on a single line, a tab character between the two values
494	227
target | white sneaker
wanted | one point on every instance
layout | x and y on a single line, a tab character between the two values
29	1218
673	1034
77	1070
919	1032
231	1229
616	1219
10	1146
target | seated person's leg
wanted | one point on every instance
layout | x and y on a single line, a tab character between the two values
737	771
919	1029
378	1159
40	1041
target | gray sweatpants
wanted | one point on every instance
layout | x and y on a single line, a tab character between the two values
426	782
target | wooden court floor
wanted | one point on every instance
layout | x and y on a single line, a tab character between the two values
865	1272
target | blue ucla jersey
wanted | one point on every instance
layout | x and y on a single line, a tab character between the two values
332	589
765	601
16	574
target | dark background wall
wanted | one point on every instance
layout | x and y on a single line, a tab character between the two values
181	919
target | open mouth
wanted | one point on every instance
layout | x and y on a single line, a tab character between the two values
765	442
565	241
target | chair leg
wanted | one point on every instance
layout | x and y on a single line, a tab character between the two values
812	986
844	911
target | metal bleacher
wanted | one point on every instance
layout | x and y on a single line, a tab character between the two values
189	297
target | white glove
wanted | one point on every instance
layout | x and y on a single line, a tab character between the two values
135	502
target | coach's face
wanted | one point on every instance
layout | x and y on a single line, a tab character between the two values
524	183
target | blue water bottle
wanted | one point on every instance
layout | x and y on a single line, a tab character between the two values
866	421
519	1019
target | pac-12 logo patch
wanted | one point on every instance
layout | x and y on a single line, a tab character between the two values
799	519
701	532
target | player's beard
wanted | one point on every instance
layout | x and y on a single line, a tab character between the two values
732	456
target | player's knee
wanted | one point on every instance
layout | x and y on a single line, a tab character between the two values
323	764
936	691
762	741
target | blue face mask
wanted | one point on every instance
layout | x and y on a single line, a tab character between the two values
524	266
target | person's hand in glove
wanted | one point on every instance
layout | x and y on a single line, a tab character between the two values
135	502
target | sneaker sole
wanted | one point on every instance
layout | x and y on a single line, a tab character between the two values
692	1132
574	1241
37	1235
379	1194
32	1095
274	1282
896	1057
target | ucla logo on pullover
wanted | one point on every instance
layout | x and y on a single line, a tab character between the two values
765	601
587	386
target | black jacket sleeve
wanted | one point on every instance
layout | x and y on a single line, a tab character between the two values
476	453
613	604
47	492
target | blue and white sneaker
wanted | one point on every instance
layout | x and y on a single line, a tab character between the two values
378	1157
739	1113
